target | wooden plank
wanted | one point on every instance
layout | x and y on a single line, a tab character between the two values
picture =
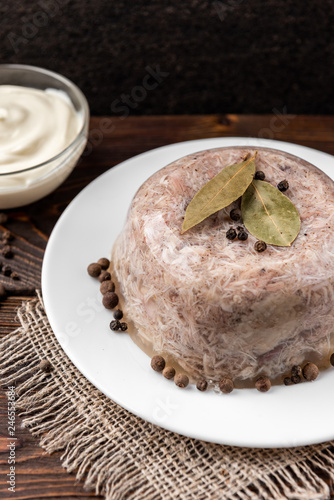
111	141
8	310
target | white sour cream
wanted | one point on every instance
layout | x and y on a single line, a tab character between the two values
35	125
38	128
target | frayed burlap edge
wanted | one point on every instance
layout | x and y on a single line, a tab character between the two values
121	456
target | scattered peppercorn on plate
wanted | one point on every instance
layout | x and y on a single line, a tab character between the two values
90	332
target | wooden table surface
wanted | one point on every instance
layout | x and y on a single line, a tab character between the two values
111	141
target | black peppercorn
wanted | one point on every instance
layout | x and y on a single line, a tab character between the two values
296	379
296	371
242	235
260	246
115	325
118	314
231	234
283	185
158	363
287	381
235	214
202	385
94	270
259	175
124	327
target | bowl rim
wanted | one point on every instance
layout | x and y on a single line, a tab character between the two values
81	97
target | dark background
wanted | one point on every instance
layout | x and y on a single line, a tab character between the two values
228	56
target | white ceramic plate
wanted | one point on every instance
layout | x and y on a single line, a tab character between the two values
283	417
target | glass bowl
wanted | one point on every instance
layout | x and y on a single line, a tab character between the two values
22	187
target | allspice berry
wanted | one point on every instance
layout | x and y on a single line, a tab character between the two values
202	385
94	270
310	371
181	380
45	366
158	363
104	263
263	384
110	300
260	246
226	385
332	359
107	286
104	276
169	372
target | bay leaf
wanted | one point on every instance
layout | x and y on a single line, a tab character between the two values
269	215
220	191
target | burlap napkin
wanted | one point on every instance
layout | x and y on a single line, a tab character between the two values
122	456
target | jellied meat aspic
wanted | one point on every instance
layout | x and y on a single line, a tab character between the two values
219	307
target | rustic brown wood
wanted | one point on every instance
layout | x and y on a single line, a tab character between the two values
111	141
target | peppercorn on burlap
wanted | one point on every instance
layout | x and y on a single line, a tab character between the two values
121	456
